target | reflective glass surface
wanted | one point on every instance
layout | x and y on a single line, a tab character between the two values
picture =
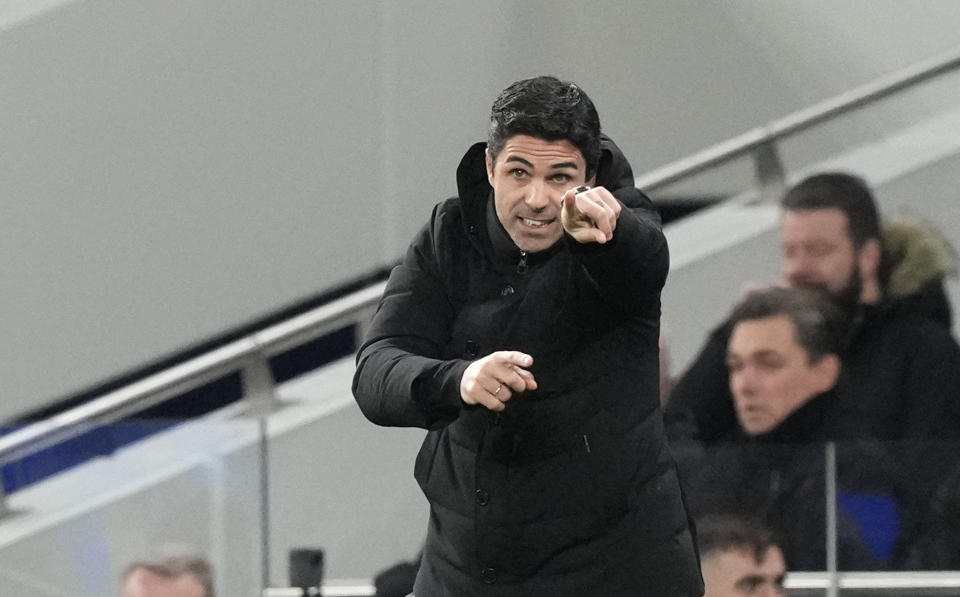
80	513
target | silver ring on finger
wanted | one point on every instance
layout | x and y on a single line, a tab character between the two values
497	391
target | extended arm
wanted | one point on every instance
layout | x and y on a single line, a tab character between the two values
622	249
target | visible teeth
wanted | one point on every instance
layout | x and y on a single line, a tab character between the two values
535	223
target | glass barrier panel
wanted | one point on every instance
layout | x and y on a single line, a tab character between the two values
341	488
778	486
898	505
897	508
83	511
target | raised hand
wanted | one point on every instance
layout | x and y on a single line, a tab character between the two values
590	215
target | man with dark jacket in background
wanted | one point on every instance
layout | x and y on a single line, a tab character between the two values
521	329
901	374
783	357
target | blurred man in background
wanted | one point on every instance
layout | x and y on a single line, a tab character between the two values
178	576
739	558
784	364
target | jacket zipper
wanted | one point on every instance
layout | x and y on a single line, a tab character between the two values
522	264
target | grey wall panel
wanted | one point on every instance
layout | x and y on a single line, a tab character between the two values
172	170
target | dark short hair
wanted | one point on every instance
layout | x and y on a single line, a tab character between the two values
549	109
817	321
175	567
843	191
717	533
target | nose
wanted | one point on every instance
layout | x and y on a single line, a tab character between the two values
741	383
795	267
538	196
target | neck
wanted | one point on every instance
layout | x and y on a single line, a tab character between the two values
870	292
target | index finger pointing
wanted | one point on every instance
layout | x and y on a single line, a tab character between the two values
568	203
516	357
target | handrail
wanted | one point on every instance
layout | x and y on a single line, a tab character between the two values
767	135
941	582
189	375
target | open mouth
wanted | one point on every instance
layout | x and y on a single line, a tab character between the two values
536	223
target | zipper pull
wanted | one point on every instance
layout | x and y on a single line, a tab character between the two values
522	265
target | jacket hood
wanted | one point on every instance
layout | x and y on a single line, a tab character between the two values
916	255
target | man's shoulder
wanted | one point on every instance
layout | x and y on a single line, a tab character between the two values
447	233
905	331
451	207
447	218
895	318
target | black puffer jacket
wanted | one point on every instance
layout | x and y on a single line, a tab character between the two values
570	490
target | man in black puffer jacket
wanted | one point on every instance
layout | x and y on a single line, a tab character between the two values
521	329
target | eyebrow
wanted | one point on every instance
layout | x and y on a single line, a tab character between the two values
515	158
763	352
750	580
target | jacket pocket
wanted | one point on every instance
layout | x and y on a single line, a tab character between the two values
581	479
602	455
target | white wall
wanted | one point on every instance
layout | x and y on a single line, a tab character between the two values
171	170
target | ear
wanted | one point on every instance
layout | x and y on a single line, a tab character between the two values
489	160
828	372
868	258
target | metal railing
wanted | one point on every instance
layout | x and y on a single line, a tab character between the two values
329	589
761	142
798	584
248	355
921	584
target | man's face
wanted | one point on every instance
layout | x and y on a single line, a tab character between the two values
770	373
528	179
818	252
735	573
143	583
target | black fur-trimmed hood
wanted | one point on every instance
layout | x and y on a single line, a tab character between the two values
916	261
916	255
